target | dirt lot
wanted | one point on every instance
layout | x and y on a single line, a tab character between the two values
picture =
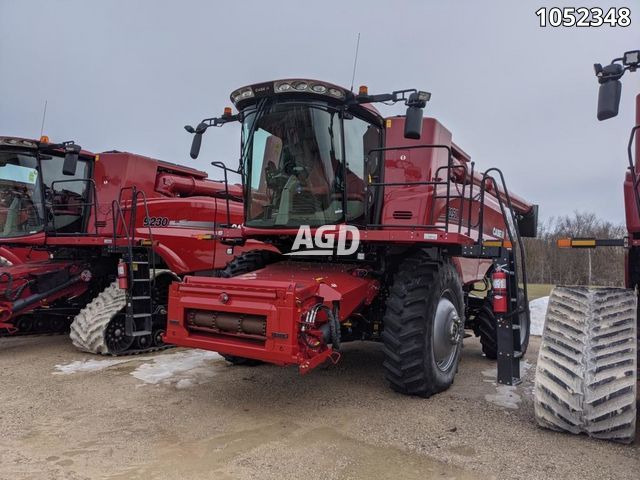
187	414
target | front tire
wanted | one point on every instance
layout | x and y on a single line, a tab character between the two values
423	326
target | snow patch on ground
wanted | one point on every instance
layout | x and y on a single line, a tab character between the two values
183	369
92	365
505	396
538	309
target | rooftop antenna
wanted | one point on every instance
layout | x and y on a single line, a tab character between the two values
355	62
44	116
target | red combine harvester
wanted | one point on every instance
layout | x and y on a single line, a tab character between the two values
586	378
97	239
386	229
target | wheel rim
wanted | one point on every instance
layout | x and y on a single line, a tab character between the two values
157	337
115	338
447	330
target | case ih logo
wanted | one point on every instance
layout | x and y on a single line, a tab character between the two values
324	240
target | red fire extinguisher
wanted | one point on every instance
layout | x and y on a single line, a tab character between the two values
123	278
499	287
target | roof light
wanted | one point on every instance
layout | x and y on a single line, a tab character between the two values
226	112
319	88
301	85
284	87
44	139
363	90
242	94
336	93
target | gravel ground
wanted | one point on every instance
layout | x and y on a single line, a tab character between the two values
146	417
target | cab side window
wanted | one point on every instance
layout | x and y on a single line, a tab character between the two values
360	138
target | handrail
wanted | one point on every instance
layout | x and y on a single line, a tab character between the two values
130	229
450	167
508	226
226	169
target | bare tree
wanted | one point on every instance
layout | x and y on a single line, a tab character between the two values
546	263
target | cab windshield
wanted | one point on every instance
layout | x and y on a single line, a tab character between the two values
295	165
21	211
25	185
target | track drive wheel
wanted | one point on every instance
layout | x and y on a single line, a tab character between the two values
587	365
99	327
423	326
486	329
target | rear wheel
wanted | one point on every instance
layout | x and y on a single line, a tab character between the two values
423	326
486	329
587	370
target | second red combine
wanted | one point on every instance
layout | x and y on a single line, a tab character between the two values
91	242
386	230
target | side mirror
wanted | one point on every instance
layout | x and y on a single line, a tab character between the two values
197	138
70	164
413	123
195	145
609	99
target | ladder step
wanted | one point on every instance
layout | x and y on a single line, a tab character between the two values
148	280
141	297
141	315
136	262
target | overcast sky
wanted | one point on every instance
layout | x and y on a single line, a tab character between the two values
128	75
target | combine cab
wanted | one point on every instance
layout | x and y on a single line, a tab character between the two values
586	379
386	228
95	241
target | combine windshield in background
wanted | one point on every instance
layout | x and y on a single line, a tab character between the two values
21	211
34	192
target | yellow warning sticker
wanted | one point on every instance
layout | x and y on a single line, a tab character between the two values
388	123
